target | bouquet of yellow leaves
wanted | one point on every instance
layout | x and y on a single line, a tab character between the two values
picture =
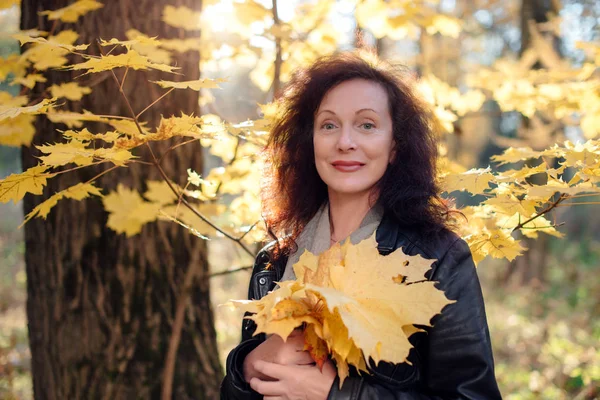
354	304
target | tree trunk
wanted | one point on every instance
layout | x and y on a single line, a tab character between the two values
101	306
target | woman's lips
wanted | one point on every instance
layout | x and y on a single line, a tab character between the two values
345	166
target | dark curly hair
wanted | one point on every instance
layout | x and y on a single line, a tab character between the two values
292	191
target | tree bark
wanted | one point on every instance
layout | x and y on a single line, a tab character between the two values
101	306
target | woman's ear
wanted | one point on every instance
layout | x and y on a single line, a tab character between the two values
393	154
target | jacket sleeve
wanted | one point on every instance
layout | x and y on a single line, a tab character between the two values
233	385
457	353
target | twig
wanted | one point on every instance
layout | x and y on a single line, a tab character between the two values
170	149
248	231
579	204
124	77
561	198
102	173
230	271
154	102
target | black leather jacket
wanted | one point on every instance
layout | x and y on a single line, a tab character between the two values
452	360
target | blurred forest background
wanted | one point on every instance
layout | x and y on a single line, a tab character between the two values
543	307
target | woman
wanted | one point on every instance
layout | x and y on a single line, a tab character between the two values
353	152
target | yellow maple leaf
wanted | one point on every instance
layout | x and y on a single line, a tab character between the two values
72	119
509	204
513	155
12	112
149	47
250	12
18	131
128	212
497	243
69	90
196	85
557	185
182	17
13	64
58	154
84	135
72	12
29	80
159	192
63	40
79	191
475	181
522	173
132	59
15	186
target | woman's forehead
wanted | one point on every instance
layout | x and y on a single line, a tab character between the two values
355	96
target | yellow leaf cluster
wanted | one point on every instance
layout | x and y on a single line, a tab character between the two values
399	19
497	243
194	85
19	130
79	191
362	305
181	17
128	211
8	111
132	59
475	181
69	90
72	12
15	186
29	81
48	53
77	152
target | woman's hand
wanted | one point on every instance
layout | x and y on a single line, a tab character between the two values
275	350
294	382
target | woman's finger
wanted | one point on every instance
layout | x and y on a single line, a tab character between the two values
276	371
267	388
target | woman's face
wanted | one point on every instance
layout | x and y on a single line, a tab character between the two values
353	138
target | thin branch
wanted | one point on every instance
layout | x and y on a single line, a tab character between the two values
154	102
123	79
142	162
102	173
170	149
230	271
248	231
577	196
579	204
561	198
75	168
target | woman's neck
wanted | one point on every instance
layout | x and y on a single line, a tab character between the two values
346	214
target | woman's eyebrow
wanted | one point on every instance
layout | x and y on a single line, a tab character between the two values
365	109
324	111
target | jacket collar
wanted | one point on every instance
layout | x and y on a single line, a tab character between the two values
387	234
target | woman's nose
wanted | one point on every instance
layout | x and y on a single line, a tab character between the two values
346	139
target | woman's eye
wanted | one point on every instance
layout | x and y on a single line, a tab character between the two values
328	126
368	125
